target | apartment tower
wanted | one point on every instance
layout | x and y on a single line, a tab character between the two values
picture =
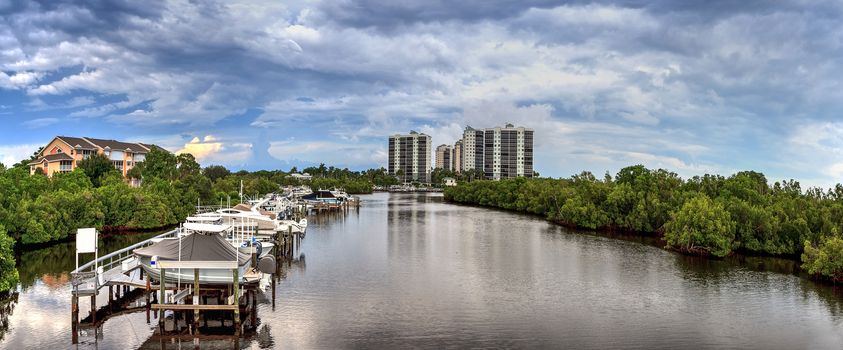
444	157
409	157
507	152
457	157
472	149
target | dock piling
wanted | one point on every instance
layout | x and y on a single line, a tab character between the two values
74	319
94	309
196	302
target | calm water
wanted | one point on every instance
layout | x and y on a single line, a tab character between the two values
408	271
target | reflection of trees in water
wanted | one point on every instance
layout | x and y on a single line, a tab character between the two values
7	307
54	263
701	270
831	296
764	264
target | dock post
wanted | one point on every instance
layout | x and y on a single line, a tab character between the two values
273	292
196	302
146	294
110	298
290	235
236	302
161	300
254	304
74	319
94	309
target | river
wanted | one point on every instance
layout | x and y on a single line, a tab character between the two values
410	271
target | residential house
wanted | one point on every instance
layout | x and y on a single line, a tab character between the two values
63	153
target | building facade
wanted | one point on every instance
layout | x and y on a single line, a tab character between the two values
508	152
472	149
499	152
63	153
457	158
409	157
444	157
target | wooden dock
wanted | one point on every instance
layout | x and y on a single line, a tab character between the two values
130	290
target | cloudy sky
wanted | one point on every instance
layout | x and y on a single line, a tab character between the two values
692	86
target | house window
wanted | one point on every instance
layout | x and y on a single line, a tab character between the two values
118	164
56	150
65	166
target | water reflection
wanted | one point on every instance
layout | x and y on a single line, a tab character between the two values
409	271
7	307
52	265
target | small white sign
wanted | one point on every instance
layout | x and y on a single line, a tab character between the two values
86	240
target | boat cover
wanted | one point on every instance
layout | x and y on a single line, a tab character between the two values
243	207
211	228
195	247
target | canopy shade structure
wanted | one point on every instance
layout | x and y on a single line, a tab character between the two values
195	247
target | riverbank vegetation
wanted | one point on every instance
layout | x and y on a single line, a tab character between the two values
706	215
37	210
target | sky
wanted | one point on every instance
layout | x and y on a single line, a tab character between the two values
691	86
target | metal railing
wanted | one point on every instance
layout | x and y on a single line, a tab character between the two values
201	209
111	260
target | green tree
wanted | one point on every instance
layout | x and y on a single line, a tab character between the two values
826	260
215	172
8	273
187	165
95	167
160	164
136	172
701	226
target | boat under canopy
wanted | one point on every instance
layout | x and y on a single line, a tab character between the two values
194	247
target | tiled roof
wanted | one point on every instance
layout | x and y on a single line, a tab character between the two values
118	145
52	158
77	142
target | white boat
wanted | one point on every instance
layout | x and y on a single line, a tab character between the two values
197	247
268	222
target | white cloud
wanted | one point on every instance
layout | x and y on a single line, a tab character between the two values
11	154
19	80
604	85
40	122
212	150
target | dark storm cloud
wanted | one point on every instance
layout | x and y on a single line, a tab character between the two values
389	14
689	85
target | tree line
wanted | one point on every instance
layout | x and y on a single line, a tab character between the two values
706	215
35	209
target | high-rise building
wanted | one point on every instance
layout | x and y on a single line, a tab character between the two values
508	152
457	158
444	157
409	157
472	149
